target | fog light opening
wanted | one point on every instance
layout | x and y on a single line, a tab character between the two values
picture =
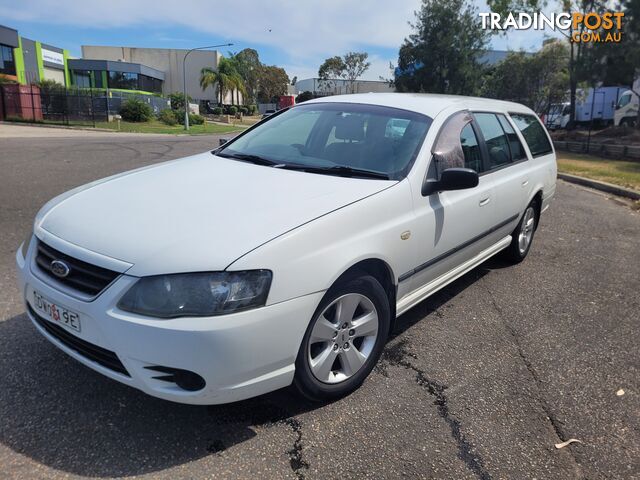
186	380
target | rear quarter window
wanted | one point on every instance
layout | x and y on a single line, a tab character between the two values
533	133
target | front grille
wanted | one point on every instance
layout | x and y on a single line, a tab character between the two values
100	355
84	277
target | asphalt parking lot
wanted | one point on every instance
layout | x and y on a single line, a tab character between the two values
480	381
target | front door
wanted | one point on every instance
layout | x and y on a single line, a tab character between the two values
454	226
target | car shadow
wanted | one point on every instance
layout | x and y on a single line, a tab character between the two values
438	299
68	417
65	416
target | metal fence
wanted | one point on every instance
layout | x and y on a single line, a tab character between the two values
87	107
614	151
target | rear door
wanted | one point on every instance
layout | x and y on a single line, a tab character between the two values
508	167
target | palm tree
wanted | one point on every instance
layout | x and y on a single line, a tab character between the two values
225	78
211	78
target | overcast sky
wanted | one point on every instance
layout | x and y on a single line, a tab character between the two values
297	35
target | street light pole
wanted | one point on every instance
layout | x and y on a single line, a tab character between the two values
184	79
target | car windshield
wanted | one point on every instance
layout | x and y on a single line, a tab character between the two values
335	138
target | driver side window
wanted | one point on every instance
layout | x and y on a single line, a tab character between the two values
471	149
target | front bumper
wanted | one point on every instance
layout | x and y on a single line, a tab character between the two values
239	355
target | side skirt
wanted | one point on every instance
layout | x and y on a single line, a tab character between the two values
412	299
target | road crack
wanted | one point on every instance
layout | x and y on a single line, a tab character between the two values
555	423
296	459
398	355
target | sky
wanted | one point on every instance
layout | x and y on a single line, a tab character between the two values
296	35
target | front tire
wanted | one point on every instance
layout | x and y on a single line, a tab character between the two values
344	340
522	236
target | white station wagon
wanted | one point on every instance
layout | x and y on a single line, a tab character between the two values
285	255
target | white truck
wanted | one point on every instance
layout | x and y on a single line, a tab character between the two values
627	107
601	103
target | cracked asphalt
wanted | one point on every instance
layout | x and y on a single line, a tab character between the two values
479	381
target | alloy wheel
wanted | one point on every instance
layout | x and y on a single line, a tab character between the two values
343	338
526	229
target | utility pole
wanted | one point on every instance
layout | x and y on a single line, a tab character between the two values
184	79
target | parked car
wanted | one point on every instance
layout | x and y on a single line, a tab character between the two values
268	113
285	255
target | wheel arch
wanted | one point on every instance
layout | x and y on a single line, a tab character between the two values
537	198
381	271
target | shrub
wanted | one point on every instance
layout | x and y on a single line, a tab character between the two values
244	110
195	119
217	111
252	109
304	96
168	117
233	110
177	100
134	110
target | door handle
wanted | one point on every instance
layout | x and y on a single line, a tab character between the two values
484	201
525	182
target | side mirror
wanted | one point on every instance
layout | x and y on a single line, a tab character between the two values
222	141
451	179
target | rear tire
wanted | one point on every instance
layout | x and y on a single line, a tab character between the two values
344	339
522	236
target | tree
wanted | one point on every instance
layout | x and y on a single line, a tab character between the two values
536	80
226	79
585	60
273	83
441	56
330	70
349	67
355	65
247	64
48	85
631	50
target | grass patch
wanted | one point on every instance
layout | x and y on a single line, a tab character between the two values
154	126
618	172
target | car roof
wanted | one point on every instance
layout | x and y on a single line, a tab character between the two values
426	103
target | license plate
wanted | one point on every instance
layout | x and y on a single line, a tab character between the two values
56	313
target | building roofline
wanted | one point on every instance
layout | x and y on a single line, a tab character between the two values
148	48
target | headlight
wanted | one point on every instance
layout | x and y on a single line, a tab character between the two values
197	294
24	248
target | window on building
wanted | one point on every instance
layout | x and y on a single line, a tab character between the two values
149	84
7	62
97	79
123	80
82	78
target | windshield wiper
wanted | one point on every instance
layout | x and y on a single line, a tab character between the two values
258	160
339	170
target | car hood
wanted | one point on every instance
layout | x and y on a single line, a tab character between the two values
194	214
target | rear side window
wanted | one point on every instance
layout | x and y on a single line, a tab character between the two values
533	133
495	138
517	151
